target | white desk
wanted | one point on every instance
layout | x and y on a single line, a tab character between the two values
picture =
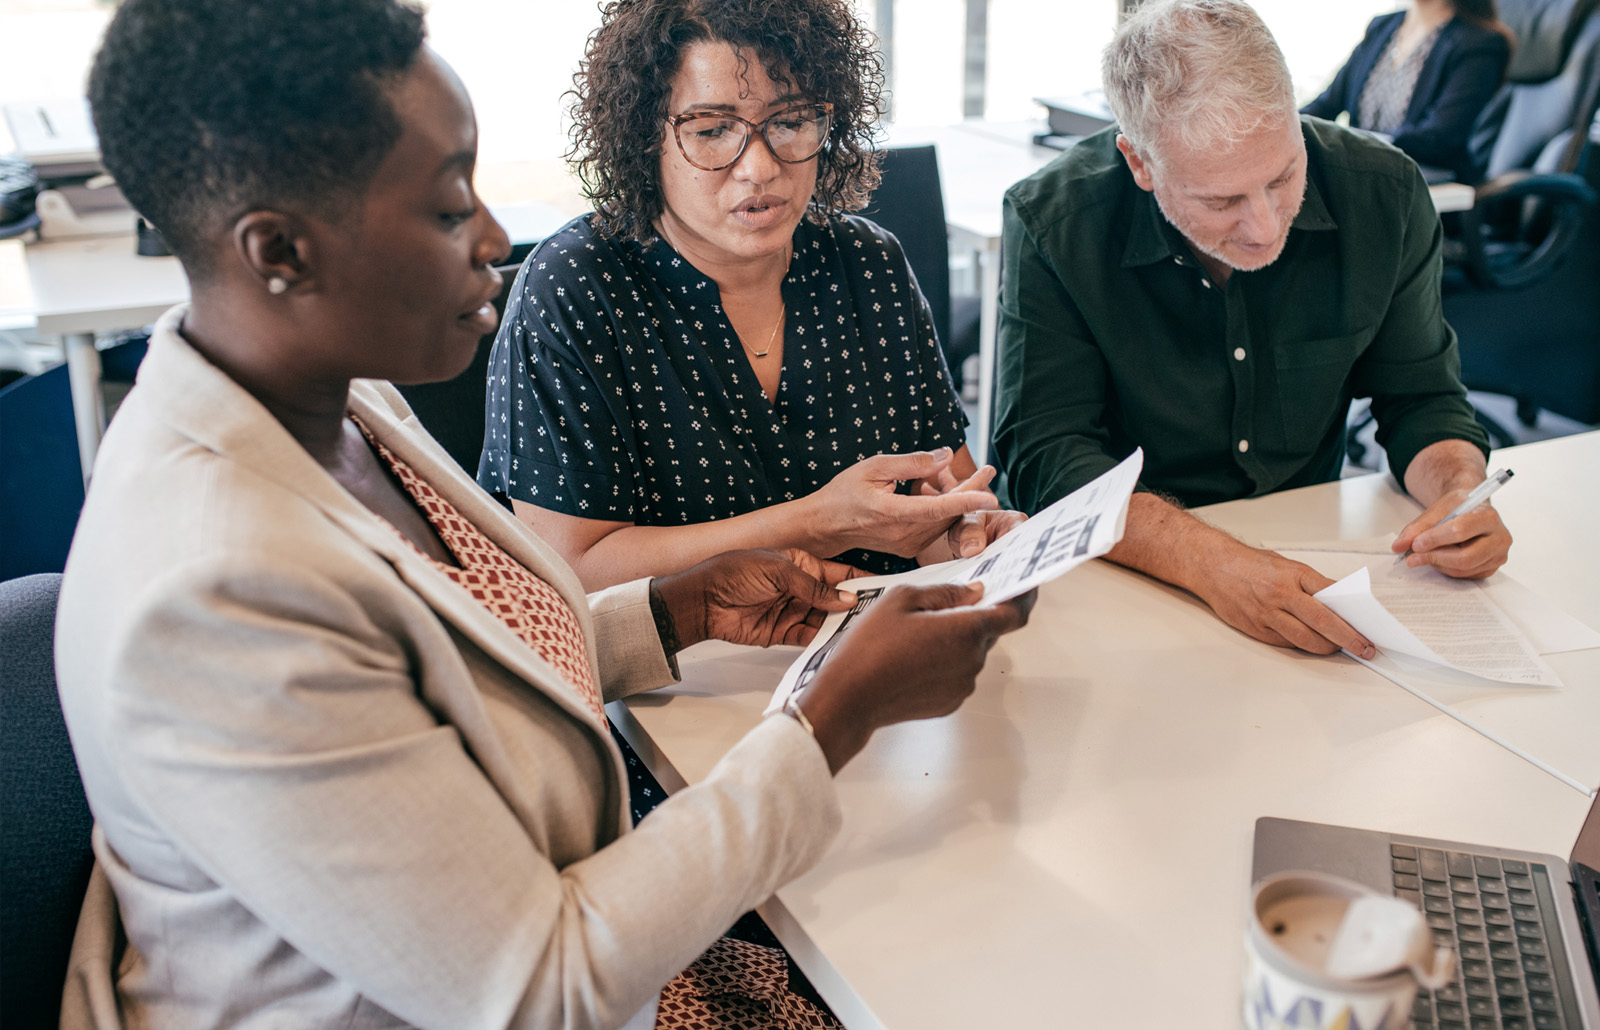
978	162
1073	846
1549	508
83	287
86	286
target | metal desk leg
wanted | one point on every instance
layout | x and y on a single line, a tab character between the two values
88	406
988	324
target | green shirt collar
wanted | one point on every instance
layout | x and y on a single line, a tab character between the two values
1151	238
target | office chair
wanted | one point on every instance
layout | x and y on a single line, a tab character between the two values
45	856
1532	139
1519	283
1539	345
453	411
41	477
41	484
909	202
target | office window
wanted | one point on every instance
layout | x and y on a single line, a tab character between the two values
517	58
1035	48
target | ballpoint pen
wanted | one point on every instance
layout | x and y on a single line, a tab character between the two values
1479	494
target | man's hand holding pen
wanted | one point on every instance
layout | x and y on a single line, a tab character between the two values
1460	533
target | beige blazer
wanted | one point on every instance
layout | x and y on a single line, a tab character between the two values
330	790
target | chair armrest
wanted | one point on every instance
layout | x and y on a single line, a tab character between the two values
1556	186
1523	263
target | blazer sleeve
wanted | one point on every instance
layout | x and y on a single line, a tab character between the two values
281	727
627	643
1338	98
1438	136
1331	103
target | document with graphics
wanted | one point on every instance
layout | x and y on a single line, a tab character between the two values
1083	525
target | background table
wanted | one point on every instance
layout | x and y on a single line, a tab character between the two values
82	287
1073	846
95	285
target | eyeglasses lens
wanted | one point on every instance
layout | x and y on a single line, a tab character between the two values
714	141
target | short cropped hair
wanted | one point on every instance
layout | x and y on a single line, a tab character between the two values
622	89
1203	74
207	110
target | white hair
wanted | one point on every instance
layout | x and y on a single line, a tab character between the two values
1203	74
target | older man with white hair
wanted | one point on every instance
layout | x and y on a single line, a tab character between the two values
1213	279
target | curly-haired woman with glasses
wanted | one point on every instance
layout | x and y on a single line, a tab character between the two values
720	355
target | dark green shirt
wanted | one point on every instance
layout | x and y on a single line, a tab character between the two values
1113	337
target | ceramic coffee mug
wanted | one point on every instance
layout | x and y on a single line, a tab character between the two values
1306	968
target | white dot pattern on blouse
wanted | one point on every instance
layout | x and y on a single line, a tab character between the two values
618	390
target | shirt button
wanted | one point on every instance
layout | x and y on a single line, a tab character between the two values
1244	445
1206	283
1238	353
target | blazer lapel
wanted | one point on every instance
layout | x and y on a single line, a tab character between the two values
1366	59
1431	75
205	405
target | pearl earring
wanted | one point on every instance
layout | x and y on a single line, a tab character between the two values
276	285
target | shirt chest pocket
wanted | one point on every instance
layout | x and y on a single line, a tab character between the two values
1313	385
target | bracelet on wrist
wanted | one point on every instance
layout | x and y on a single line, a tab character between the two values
791	708
666	629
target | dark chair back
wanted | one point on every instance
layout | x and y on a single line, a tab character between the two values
1544	31
44	837
41	482
454	410
1540	344
909	202
1539	124
1534	139
41	477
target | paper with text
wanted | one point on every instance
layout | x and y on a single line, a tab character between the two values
1424	614
1081	526
1549	628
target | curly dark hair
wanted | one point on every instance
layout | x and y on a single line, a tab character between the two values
621	90
207	109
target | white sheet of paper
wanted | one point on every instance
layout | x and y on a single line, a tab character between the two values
1351	599
1547	627
1081	526
1371	545
1454	621
1551	630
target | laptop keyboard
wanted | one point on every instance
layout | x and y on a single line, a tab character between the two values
1500	917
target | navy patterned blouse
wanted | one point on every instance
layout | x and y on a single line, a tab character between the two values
618	390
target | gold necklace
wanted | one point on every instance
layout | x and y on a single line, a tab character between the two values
770	337
788	252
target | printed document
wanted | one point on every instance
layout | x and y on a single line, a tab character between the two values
1424	614
1081	526
1550	629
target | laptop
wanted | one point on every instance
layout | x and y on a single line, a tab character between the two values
1526	926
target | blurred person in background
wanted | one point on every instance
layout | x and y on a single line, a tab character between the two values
1421	77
